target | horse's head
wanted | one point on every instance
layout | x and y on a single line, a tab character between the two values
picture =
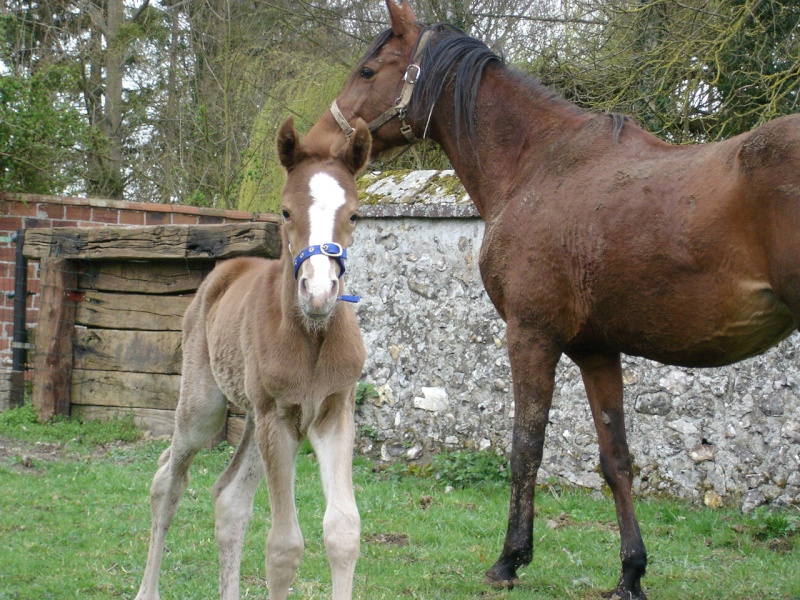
380	88
319	209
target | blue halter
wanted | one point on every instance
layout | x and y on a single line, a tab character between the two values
331	249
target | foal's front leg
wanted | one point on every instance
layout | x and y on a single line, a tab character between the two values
332	437
233	501
533	372
278	442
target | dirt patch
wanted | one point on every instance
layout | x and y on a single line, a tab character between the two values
26	455
389	539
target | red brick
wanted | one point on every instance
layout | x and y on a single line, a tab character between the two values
22	209
157	218
10	223
183	219
51	211
78	213
131	217
105	215
209	220
34	223
7	254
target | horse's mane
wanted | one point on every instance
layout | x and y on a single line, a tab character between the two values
452	56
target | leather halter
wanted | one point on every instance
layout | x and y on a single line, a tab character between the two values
331	249
400	107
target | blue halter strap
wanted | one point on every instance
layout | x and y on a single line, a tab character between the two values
332	250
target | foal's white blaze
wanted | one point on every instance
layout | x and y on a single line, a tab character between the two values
328	196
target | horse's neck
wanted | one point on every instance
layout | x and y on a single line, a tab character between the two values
515	123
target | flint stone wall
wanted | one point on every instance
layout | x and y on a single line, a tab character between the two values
436	352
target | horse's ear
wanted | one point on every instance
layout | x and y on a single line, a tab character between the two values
356	154
401	17
289	150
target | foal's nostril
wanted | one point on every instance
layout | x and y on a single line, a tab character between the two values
304	287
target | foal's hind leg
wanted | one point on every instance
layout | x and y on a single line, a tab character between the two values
198	418
332	438
602	377
233	499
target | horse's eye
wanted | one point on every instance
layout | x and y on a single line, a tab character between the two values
286	214
366	73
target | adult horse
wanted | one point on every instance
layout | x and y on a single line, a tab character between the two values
272	337
600	239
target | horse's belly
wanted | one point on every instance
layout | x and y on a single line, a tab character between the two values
227	366
754	323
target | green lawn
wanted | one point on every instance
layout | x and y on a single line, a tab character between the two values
74	520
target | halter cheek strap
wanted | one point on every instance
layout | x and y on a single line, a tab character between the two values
332	250
400	108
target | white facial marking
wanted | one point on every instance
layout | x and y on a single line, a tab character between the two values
328	197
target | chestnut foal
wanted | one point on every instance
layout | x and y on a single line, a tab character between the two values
273	337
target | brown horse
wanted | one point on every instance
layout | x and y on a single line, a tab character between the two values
599	239
271	337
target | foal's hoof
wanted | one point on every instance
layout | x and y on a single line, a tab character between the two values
501	577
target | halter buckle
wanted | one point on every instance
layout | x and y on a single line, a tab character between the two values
335	252
413	73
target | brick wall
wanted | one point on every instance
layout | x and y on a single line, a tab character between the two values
18	211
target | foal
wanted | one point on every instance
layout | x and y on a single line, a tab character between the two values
271	337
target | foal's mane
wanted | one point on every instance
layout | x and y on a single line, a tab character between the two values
452	56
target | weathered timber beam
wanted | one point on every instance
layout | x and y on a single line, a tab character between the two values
155	242
54	337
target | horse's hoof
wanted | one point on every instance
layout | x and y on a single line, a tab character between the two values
620	594
501	577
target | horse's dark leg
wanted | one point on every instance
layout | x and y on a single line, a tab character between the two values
602	376
533	373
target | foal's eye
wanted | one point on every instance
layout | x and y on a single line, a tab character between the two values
285	214
366	73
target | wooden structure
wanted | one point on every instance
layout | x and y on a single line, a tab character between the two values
112	302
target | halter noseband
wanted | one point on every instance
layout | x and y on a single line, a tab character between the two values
400	108
332	250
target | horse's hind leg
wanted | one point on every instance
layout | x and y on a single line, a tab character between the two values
198	418
602	377
233	500
332	438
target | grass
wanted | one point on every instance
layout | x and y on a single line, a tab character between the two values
74	520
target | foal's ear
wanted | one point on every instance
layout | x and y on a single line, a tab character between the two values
401	17
289	149
356	153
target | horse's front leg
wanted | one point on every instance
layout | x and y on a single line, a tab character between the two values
279	442
533	372
602	377
332	436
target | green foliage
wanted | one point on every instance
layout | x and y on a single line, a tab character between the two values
365	391
459	469
467	468
22	423
686	71
305	92
39	131
766	524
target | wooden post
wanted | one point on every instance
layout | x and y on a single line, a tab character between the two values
54	333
